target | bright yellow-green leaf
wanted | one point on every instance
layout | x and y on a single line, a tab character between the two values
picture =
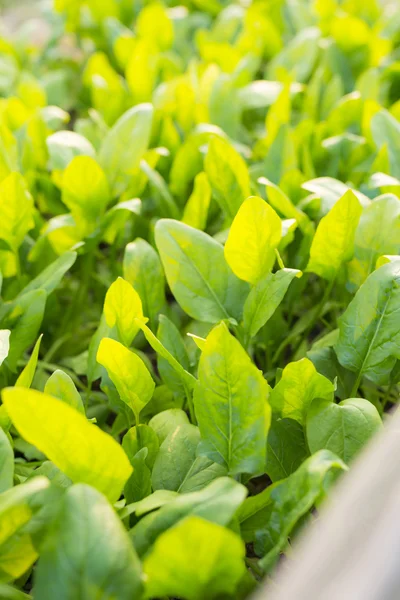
26	377
333	243
173	565
81	450
85	192
199	341
299	385
196	209
142	69
16	556
282	203
122	306
128	373
255	233
154	24
16	507
16	210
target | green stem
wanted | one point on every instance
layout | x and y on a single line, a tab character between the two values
190	405
55	346
252	564
356	385
318	313
281	347
75	308
241	335
279	259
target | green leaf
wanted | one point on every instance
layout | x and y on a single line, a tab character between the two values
187	378
4	344
369	329
87	553
196	208
177	468
122	305
170	337
228	175
253	237
159	189
124	145
128	373
286	448
25	319
283	205
150	503
299	385
202	472
269	517
333	242
7	592
342	428
138	485
141	436
26	376
17	556
18	505
81	450
264	299
16	210
231	404
143	270
6	463
385	131
168	421
94	369
198	274
175	458
85	192
298	56
63	146
60	385
378	233
172	567
330	190
217	503
51	276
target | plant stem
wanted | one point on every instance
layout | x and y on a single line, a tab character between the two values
190	404
318	313
356	385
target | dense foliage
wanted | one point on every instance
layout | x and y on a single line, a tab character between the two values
200	309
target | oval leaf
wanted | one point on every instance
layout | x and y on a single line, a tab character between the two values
81	450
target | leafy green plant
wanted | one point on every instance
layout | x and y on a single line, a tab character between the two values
199	276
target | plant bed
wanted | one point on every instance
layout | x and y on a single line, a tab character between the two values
200	279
